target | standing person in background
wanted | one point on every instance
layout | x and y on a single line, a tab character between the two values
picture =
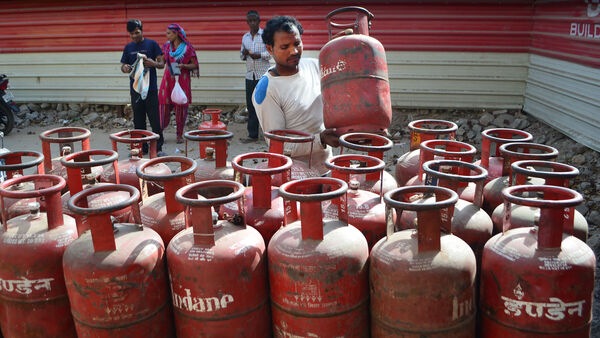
289	95
255	53
182	64
153	58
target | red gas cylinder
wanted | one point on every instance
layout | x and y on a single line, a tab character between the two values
33	296
366	210
469	222
214	166
12	165
491	140
422	281
161	212
512	152
116	273
79	166
552	173
354	76
135	138
537	281
218	271
443	150
65	137
300	169
213	124
318	269
374	145
263	207
407	165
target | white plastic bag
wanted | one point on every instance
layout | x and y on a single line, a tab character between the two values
178	95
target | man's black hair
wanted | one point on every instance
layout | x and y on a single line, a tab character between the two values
279	24
253	12
133	24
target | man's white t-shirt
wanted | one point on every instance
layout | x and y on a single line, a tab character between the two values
294	102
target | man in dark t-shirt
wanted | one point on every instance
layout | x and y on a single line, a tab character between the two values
147	107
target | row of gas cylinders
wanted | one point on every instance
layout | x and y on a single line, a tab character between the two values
424	268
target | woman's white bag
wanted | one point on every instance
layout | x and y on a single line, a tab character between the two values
178	95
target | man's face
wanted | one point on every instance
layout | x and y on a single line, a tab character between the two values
286	49
136	35
253	22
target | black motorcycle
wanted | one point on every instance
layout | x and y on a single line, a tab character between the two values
7	107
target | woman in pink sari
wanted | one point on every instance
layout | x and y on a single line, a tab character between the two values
180	57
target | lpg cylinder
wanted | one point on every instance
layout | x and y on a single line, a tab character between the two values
537	281
218	271
300	169
443	150
79	166
365	209
422	281
469	222
318	269
407	165
65	137
491	140
263	207
214	166
512	152
161	212
116	273
552	173
354	76
127	168
374	145
213	124
33	296
13	164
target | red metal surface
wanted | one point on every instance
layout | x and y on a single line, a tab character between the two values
214	166
135	138
277	141
422	285
214	124
491	140
512	152
469	222
537	282
366	210
263	207
33	296
552	173
161	212
443	149
218	270
318	269
374	145
116	273
354	77
79	166
13	166
407	165
62	136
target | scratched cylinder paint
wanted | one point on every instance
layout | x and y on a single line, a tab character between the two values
116	273
161	212
218	268
33	296
407	165
422	281
318	269
537	281
354	76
